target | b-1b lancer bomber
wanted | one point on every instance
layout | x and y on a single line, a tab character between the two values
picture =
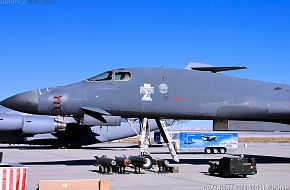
197	92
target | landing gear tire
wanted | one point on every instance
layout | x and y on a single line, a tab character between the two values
149	162
207	150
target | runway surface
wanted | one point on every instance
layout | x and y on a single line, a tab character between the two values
273	163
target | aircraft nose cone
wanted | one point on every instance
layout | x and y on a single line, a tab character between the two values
24	102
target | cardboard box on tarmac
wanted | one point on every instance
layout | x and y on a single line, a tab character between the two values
75	184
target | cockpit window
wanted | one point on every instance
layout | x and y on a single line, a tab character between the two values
102	77
122	75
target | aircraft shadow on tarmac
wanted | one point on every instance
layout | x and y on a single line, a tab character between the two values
64	162
81	148
259	159
110	147
120	146
27	147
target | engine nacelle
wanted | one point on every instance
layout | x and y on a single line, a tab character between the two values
41	124
111	121
11	122
30	124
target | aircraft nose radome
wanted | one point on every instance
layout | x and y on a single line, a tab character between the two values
25	102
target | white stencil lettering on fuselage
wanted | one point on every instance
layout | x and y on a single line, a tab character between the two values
147	90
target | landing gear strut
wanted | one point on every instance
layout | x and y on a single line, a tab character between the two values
167	138
144	136
144	143
145	140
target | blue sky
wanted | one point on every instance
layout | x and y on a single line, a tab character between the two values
48	44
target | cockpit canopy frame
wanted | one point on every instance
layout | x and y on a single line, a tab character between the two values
116	75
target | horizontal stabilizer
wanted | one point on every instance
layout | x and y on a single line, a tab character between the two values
96	113
210	68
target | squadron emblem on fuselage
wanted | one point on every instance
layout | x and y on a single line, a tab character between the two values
147	90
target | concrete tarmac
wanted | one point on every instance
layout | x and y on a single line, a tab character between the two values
273	164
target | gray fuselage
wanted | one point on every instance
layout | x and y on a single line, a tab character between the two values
165	93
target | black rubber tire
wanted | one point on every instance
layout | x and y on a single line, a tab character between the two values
149	162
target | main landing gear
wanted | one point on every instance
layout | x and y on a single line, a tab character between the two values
145	141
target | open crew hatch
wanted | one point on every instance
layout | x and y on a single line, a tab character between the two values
112	75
